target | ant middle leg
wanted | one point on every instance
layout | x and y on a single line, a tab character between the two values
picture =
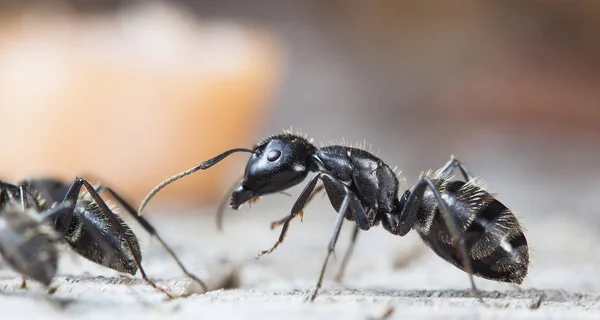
343	199
151	230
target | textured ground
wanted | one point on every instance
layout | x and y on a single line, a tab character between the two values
386	272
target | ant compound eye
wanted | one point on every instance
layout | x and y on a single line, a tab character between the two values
274	155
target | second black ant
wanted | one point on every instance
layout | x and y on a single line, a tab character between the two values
90	226
27	240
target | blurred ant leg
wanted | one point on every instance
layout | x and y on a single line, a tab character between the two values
23	195
66	205
151	230
451	165
340	274
223	203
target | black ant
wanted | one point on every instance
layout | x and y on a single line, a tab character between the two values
458	220
91	227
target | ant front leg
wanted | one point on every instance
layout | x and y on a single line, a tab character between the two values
223	204
108	214
296	209
279	222
152	231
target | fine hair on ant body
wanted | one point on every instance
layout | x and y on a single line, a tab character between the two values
458	220
90	226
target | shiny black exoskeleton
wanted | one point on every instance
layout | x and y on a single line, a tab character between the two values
458	220
91	227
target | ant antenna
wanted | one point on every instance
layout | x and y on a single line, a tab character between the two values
202	166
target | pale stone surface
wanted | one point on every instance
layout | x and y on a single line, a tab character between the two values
274	287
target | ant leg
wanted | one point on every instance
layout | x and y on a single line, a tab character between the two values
342	199
451	165
223	202
107	213
336	232
152	231
202	166
340	274
26	198
279	222
58	210
296	209
408	217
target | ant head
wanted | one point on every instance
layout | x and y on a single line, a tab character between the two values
278	163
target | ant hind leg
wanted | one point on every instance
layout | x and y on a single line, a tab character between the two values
152	231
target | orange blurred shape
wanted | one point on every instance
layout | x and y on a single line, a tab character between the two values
130	98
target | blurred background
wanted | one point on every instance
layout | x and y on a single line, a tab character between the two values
131	92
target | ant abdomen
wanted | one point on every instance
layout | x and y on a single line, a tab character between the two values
496	244
80	238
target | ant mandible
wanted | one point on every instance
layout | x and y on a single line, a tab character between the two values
460	221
